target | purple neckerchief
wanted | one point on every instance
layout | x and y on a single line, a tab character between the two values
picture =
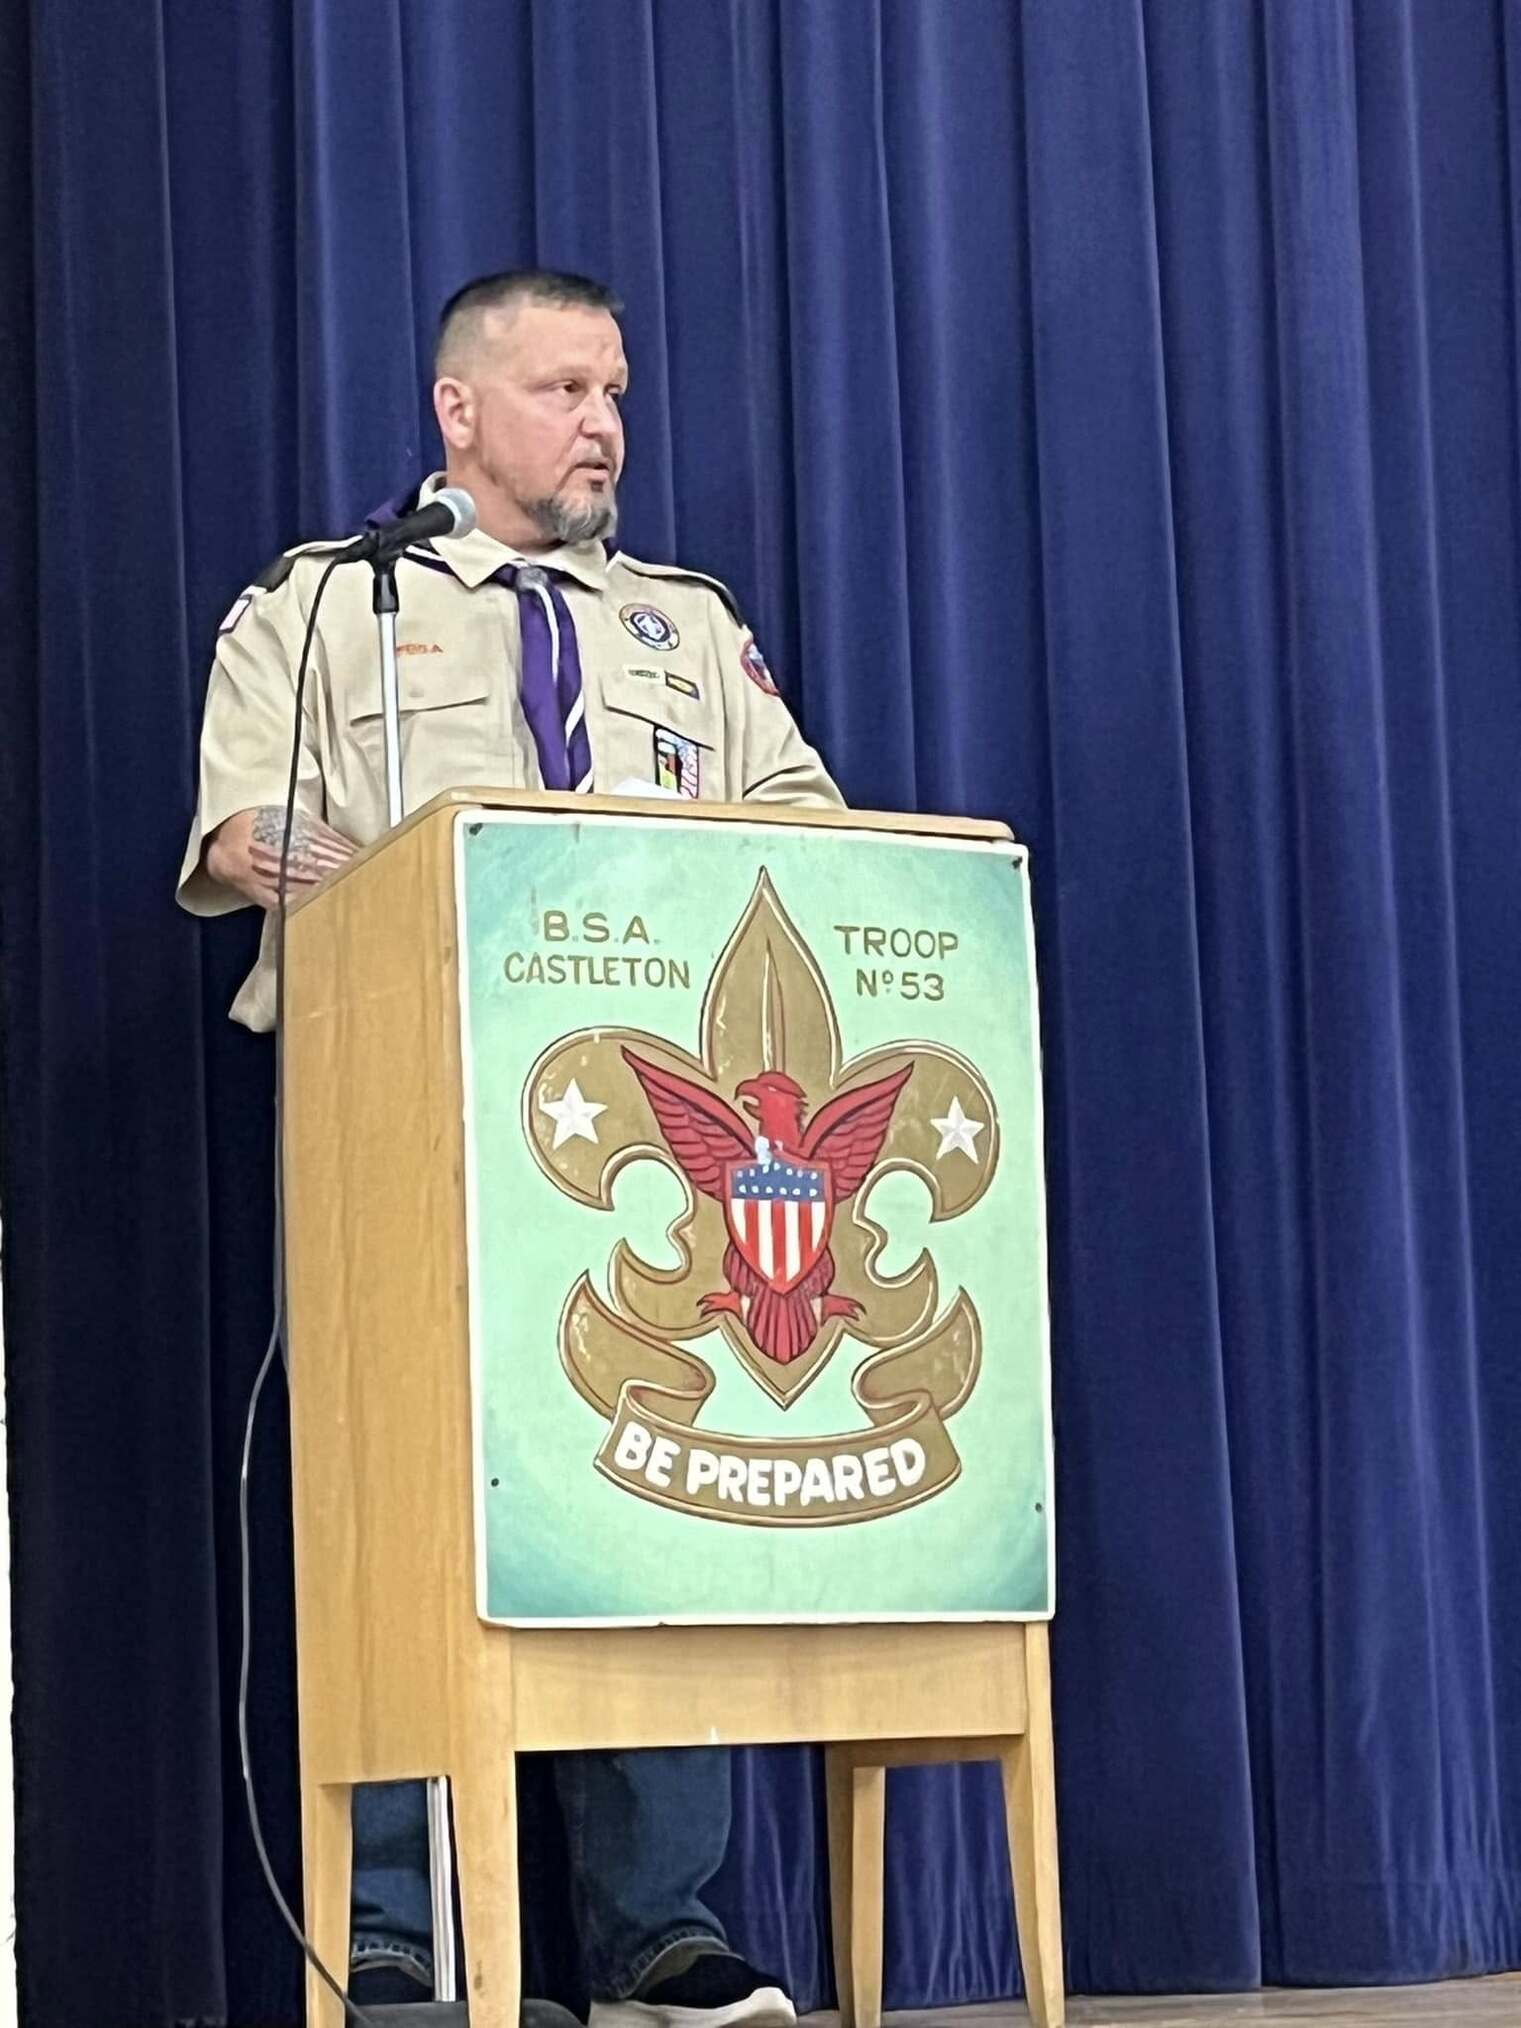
556	717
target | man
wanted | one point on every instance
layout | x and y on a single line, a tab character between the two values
529	655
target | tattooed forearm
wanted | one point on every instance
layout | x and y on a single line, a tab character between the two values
315	848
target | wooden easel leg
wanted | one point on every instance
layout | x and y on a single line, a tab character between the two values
857	1812
327	1858
1029	1796
486	1852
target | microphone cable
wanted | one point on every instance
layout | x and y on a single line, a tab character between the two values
277	1337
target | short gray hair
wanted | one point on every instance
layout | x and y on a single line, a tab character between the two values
460	320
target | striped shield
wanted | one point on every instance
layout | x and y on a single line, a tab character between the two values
778	1215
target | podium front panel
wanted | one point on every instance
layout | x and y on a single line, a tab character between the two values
756	1232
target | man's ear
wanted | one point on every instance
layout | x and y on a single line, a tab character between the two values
454	405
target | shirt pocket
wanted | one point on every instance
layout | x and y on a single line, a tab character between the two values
684	702
420	688
646	747
451	731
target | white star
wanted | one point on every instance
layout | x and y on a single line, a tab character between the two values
957	1131
572	1115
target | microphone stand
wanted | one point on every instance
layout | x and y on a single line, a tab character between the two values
385	605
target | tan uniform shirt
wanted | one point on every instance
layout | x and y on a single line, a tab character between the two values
676	692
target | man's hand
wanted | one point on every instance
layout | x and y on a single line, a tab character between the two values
244	853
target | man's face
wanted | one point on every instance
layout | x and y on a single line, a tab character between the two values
534	412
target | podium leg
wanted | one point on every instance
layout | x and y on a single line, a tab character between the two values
1029	1795
857	1813
327	1858
486	1854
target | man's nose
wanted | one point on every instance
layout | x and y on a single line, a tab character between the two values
599	417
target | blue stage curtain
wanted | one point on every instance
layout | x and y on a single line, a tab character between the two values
1107	413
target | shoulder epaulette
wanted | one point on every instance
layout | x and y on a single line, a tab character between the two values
274	575
680	573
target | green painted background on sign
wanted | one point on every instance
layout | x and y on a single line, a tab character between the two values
561	1541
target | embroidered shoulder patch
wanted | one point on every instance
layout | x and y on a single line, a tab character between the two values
753	662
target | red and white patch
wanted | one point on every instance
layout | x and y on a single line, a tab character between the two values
753	662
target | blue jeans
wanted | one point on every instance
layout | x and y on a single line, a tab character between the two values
646	1832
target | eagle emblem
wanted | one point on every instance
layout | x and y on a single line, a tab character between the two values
779	1183
779	1140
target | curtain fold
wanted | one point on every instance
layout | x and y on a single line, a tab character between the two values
1106	413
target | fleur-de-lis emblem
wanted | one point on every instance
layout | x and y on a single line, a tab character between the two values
778	1140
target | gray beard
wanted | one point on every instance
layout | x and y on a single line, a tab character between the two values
559	520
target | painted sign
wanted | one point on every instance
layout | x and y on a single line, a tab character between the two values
757	1254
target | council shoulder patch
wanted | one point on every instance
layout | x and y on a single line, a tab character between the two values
651	627
753	662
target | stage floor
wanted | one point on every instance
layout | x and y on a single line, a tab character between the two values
1460	2003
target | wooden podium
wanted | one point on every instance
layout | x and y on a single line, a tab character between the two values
398	1677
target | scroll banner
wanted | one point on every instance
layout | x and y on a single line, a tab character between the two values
903	1455
756	1222
778	1482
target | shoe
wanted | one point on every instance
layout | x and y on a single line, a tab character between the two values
391	1983
376	1980
715	1991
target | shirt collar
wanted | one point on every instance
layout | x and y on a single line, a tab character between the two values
476	556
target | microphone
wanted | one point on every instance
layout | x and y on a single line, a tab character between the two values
451	511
